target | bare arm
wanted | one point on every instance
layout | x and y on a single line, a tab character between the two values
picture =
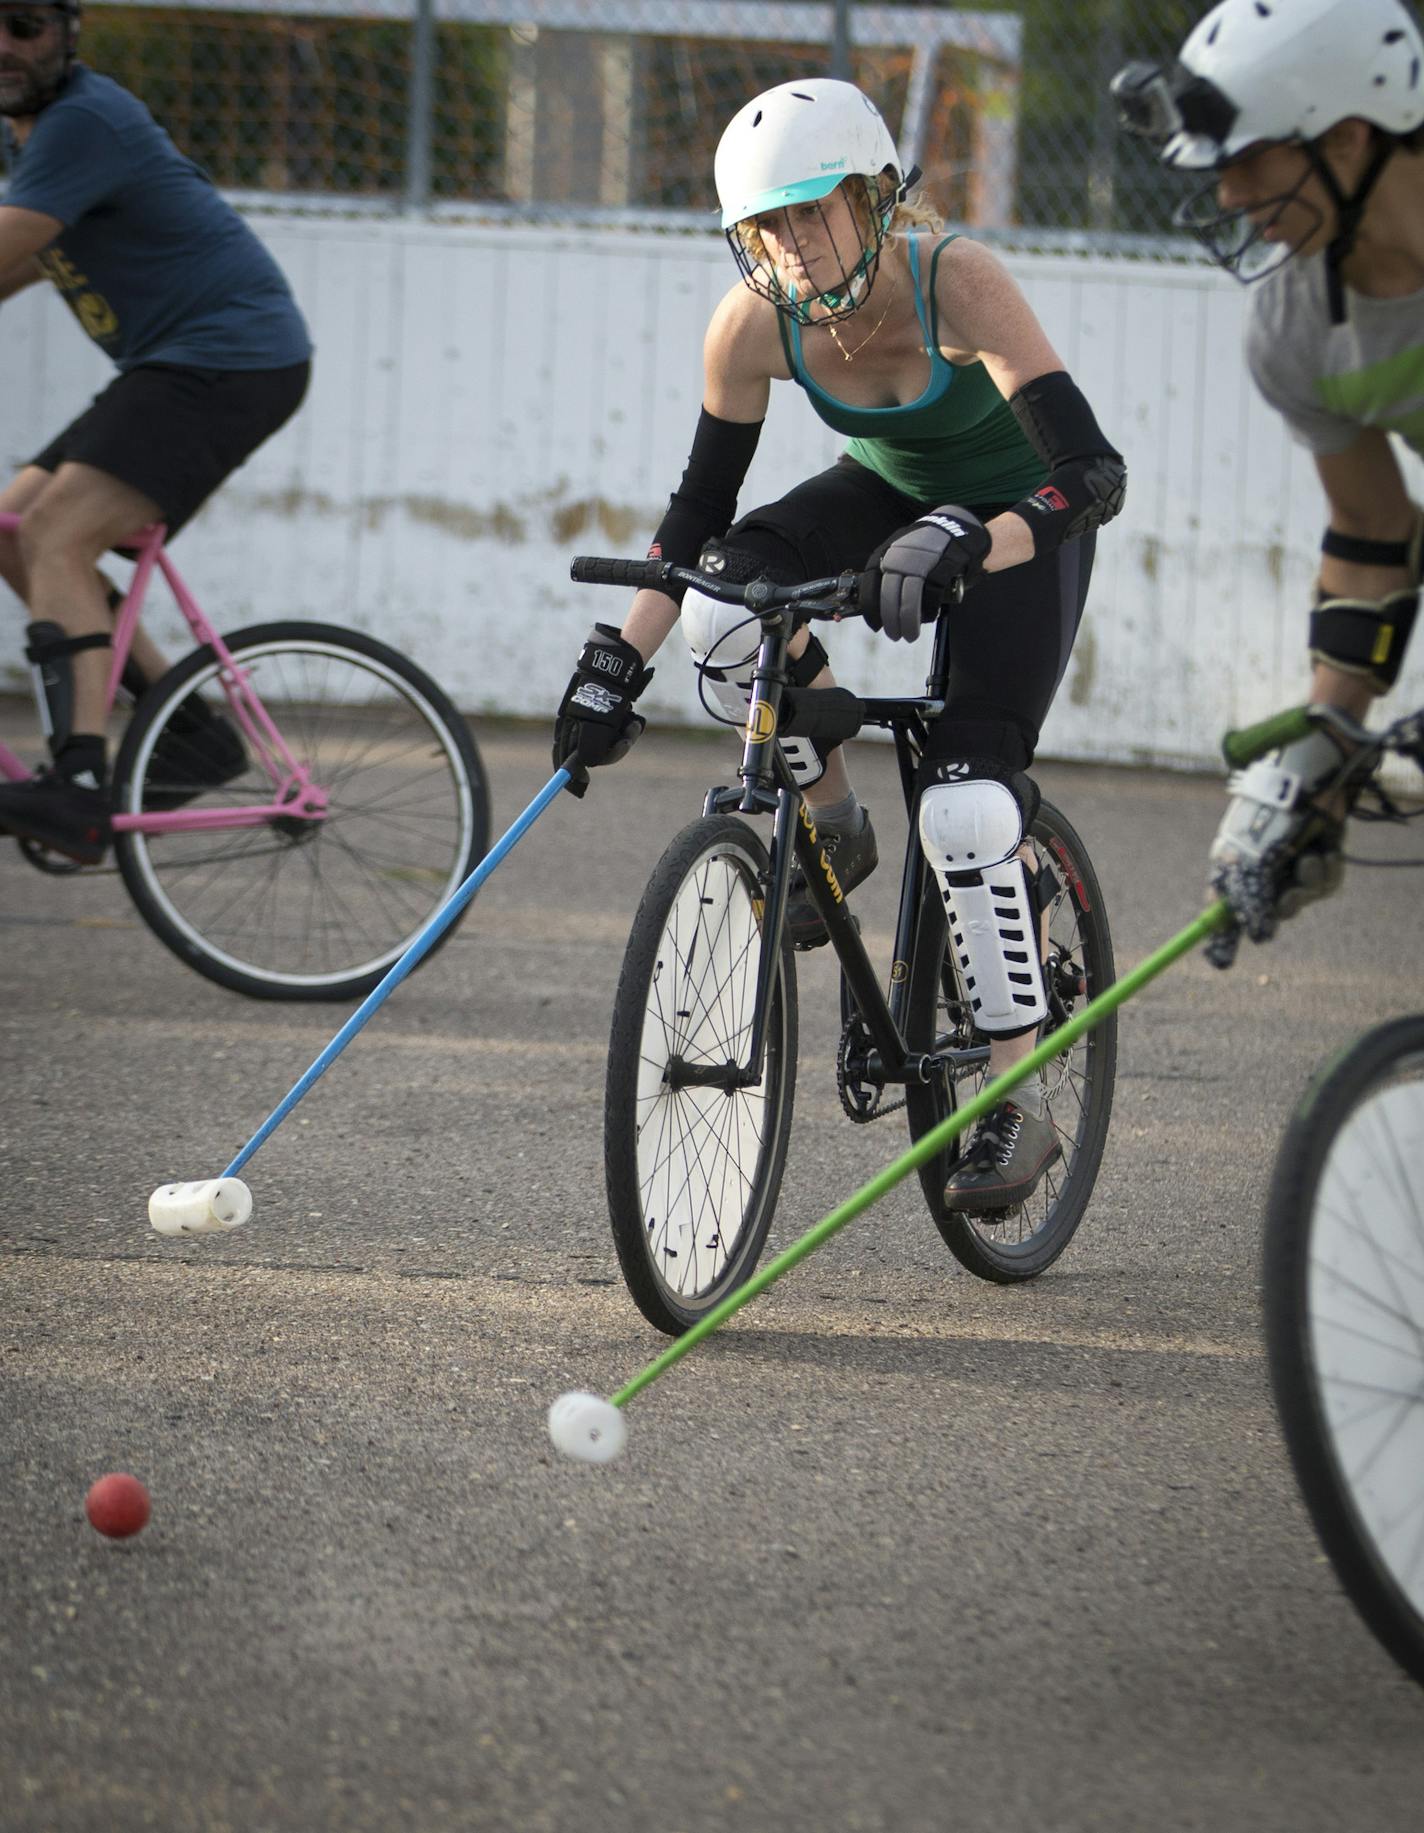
737	361
1365	490
985	316
26	274
23	234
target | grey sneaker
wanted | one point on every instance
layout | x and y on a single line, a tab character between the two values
1003	1162
853	857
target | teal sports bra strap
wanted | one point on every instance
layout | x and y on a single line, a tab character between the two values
786	344
928	327
934	295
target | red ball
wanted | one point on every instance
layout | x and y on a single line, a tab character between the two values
117	1505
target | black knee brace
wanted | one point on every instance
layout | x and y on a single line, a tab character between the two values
47	650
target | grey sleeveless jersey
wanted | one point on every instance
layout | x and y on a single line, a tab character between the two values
1328	381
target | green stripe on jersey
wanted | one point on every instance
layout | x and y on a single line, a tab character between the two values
1387	394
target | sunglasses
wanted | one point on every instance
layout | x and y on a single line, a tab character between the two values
24	27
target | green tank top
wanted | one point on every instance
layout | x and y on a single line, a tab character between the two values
958	443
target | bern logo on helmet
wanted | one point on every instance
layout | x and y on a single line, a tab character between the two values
833	165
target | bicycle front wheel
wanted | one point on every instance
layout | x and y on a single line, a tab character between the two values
301	908
693	1169
1015	1244
1344	1280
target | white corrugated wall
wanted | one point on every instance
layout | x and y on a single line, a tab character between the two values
488	402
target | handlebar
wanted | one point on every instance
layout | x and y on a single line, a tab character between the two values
834	597
1244	746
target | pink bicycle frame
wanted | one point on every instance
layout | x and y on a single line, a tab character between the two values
294	793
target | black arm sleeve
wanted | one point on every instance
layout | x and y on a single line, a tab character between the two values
1087	480
705	502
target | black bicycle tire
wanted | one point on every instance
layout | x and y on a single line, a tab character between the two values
1339	1087
928	1104
150	708
711	836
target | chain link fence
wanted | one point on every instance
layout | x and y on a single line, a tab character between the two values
610	110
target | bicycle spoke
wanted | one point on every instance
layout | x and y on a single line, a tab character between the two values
302	908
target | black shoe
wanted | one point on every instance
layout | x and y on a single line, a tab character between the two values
59	814
853	858
1004	1160
204	754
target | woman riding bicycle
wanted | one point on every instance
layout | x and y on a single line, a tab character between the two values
1305	124
973	455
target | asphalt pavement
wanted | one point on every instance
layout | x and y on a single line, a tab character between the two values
896	1550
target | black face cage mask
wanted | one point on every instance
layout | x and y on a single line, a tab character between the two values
851	290
1156	104
1237	244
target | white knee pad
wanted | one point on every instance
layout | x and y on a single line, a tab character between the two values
971	832
725	646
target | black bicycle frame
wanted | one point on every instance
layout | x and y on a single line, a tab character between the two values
768	787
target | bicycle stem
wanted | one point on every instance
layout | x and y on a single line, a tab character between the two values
1210	920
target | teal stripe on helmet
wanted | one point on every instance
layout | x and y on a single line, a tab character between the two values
804	191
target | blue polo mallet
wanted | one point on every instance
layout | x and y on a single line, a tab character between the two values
208	1206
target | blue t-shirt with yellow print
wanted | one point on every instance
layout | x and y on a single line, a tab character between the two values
154	264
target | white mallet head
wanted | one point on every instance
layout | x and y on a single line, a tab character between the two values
204	1208
588	1428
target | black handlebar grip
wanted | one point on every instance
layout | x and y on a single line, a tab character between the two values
588	570
832	714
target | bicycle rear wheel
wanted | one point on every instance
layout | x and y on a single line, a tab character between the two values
1015	1244
299	908
1344	1280
693	1171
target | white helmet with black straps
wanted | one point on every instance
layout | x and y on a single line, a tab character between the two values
795	144
1262	72
1290	69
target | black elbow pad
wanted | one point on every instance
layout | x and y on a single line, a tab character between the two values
1087	479
705	502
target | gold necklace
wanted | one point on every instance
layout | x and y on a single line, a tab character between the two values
850	355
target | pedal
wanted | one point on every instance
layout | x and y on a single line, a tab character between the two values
45	859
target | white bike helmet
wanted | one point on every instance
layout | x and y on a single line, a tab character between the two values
793	145
1257	71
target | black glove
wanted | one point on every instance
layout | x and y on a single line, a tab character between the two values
595	719
908	577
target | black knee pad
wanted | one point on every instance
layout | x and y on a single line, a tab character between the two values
740	560
795	545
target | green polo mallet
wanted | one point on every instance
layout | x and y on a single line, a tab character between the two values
593	1430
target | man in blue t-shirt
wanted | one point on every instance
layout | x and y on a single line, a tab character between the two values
213	356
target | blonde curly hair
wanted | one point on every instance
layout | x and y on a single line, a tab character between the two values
912	213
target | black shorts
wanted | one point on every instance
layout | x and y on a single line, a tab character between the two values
1011	638
175	433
